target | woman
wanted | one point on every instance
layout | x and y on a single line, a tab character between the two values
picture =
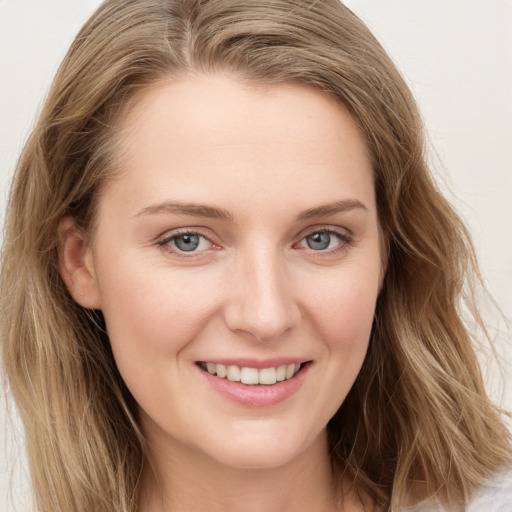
228	279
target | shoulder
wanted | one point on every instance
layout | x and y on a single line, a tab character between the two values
495	495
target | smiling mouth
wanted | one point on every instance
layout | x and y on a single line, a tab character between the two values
253	376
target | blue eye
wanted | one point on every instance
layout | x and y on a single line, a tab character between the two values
324	240
186	242
318	241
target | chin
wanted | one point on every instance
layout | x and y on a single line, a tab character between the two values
252	459
265	449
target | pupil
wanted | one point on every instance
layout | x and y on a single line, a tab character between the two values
318	241
187	242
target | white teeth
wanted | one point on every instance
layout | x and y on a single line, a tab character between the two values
233	373
221	371
267	376
252	376
249	375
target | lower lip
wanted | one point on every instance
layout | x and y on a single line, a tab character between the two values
257	395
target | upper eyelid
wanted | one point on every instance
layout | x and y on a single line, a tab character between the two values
325	229
164	243
345	237
169	235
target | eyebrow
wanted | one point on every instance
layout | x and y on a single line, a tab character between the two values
192	209
332	208
212	212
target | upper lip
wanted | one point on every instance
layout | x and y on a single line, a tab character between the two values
256	363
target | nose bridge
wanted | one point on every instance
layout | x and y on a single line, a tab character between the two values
263	303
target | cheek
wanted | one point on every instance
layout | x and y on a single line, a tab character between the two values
152	312
341	312
343	307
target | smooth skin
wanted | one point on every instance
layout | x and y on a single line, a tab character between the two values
242	224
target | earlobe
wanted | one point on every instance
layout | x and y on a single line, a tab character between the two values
76	265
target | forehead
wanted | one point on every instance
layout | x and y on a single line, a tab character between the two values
216	134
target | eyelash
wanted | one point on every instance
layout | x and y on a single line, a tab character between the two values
345	239
165	243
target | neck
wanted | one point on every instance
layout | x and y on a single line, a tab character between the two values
183	479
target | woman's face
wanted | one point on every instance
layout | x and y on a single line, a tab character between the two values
240	237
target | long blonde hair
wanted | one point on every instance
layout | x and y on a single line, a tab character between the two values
418	415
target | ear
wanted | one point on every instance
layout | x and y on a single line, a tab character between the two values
76	264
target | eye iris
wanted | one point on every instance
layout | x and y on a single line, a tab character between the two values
318	241
187	242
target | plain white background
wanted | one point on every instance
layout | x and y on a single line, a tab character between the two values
456	56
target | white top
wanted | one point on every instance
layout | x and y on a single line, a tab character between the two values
494	496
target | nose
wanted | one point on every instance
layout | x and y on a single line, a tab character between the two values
262	304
